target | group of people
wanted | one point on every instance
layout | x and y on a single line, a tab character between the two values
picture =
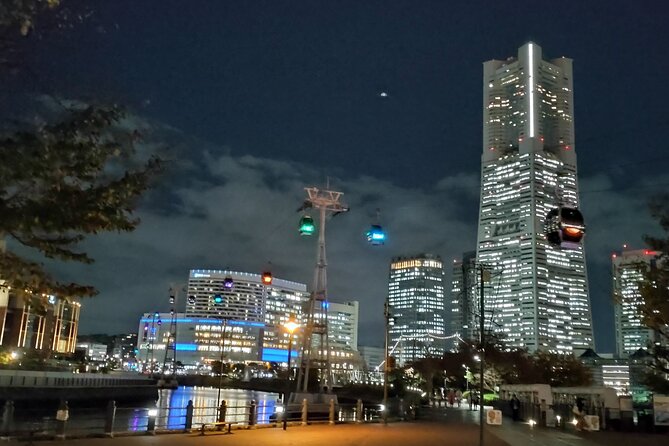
455	398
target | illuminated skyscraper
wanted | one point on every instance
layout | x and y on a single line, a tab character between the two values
416	304
628	272
538	294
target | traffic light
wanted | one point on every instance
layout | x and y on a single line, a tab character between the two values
218	299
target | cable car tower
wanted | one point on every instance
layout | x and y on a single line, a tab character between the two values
316	346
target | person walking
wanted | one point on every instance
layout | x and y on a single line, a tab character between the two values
515	407
579	414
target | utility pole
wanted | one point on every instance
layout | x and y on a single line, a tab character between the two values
386	314
484	276
481	350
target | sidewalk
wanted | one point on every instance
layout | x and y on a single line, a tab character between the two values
522	434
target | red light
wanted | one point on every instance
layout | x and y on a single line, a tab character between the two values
614	256
566	147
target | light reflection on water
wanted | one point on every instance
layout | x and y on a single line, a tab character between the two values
172	407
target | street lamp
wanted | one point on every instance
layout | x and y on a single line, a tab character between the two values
291	325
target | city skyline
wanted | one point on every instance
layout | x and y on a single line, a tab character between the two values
250	118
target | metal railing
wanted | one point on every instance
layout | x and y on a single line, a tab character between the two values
59	421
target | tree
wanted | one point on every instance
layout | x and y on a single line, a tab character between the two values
654	308
560	370
70	176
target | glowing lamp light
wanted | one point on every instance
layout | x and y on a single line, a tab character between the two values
291	326
267	278
531	422
218	299
574	421
382	407
279	409
153	412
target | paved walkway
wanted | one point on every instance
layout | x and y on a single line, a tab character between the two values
449	427
521	434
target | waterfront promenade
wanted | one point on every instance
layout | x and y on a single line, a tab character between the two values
451	427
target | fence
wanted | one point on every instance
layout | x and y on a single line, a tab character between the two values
560	415
62	422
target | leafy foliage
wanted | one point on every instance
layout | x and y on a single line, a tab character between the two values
655	306
65	178
502	366
60	182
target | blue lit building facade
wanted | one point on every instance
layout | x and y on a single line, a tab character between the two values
230	310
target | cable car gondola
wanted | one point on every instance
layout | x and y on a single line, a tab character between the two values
267	278
564	227
376	236
228	282
307	226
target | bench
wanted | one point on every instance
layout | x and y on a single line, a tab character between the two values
218	424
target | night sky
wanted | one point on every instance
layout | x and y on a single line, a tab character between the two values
252	101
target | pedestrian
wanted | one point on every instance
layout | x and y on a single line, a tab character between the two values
458	397
579	414
451	398
515	407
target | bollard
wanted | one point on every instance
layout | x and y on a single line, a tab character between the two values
305	411
109	419
358	411
332	411
252	413
62	415
151	424
189	416
7	419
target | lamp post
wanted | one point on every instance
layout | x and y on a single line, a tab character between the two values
466	367
220	370
291	325
386	314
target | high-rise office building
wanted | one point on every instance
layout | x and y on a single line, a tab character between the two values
537	296
416	304
628	269
343	325
243	300
463	301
